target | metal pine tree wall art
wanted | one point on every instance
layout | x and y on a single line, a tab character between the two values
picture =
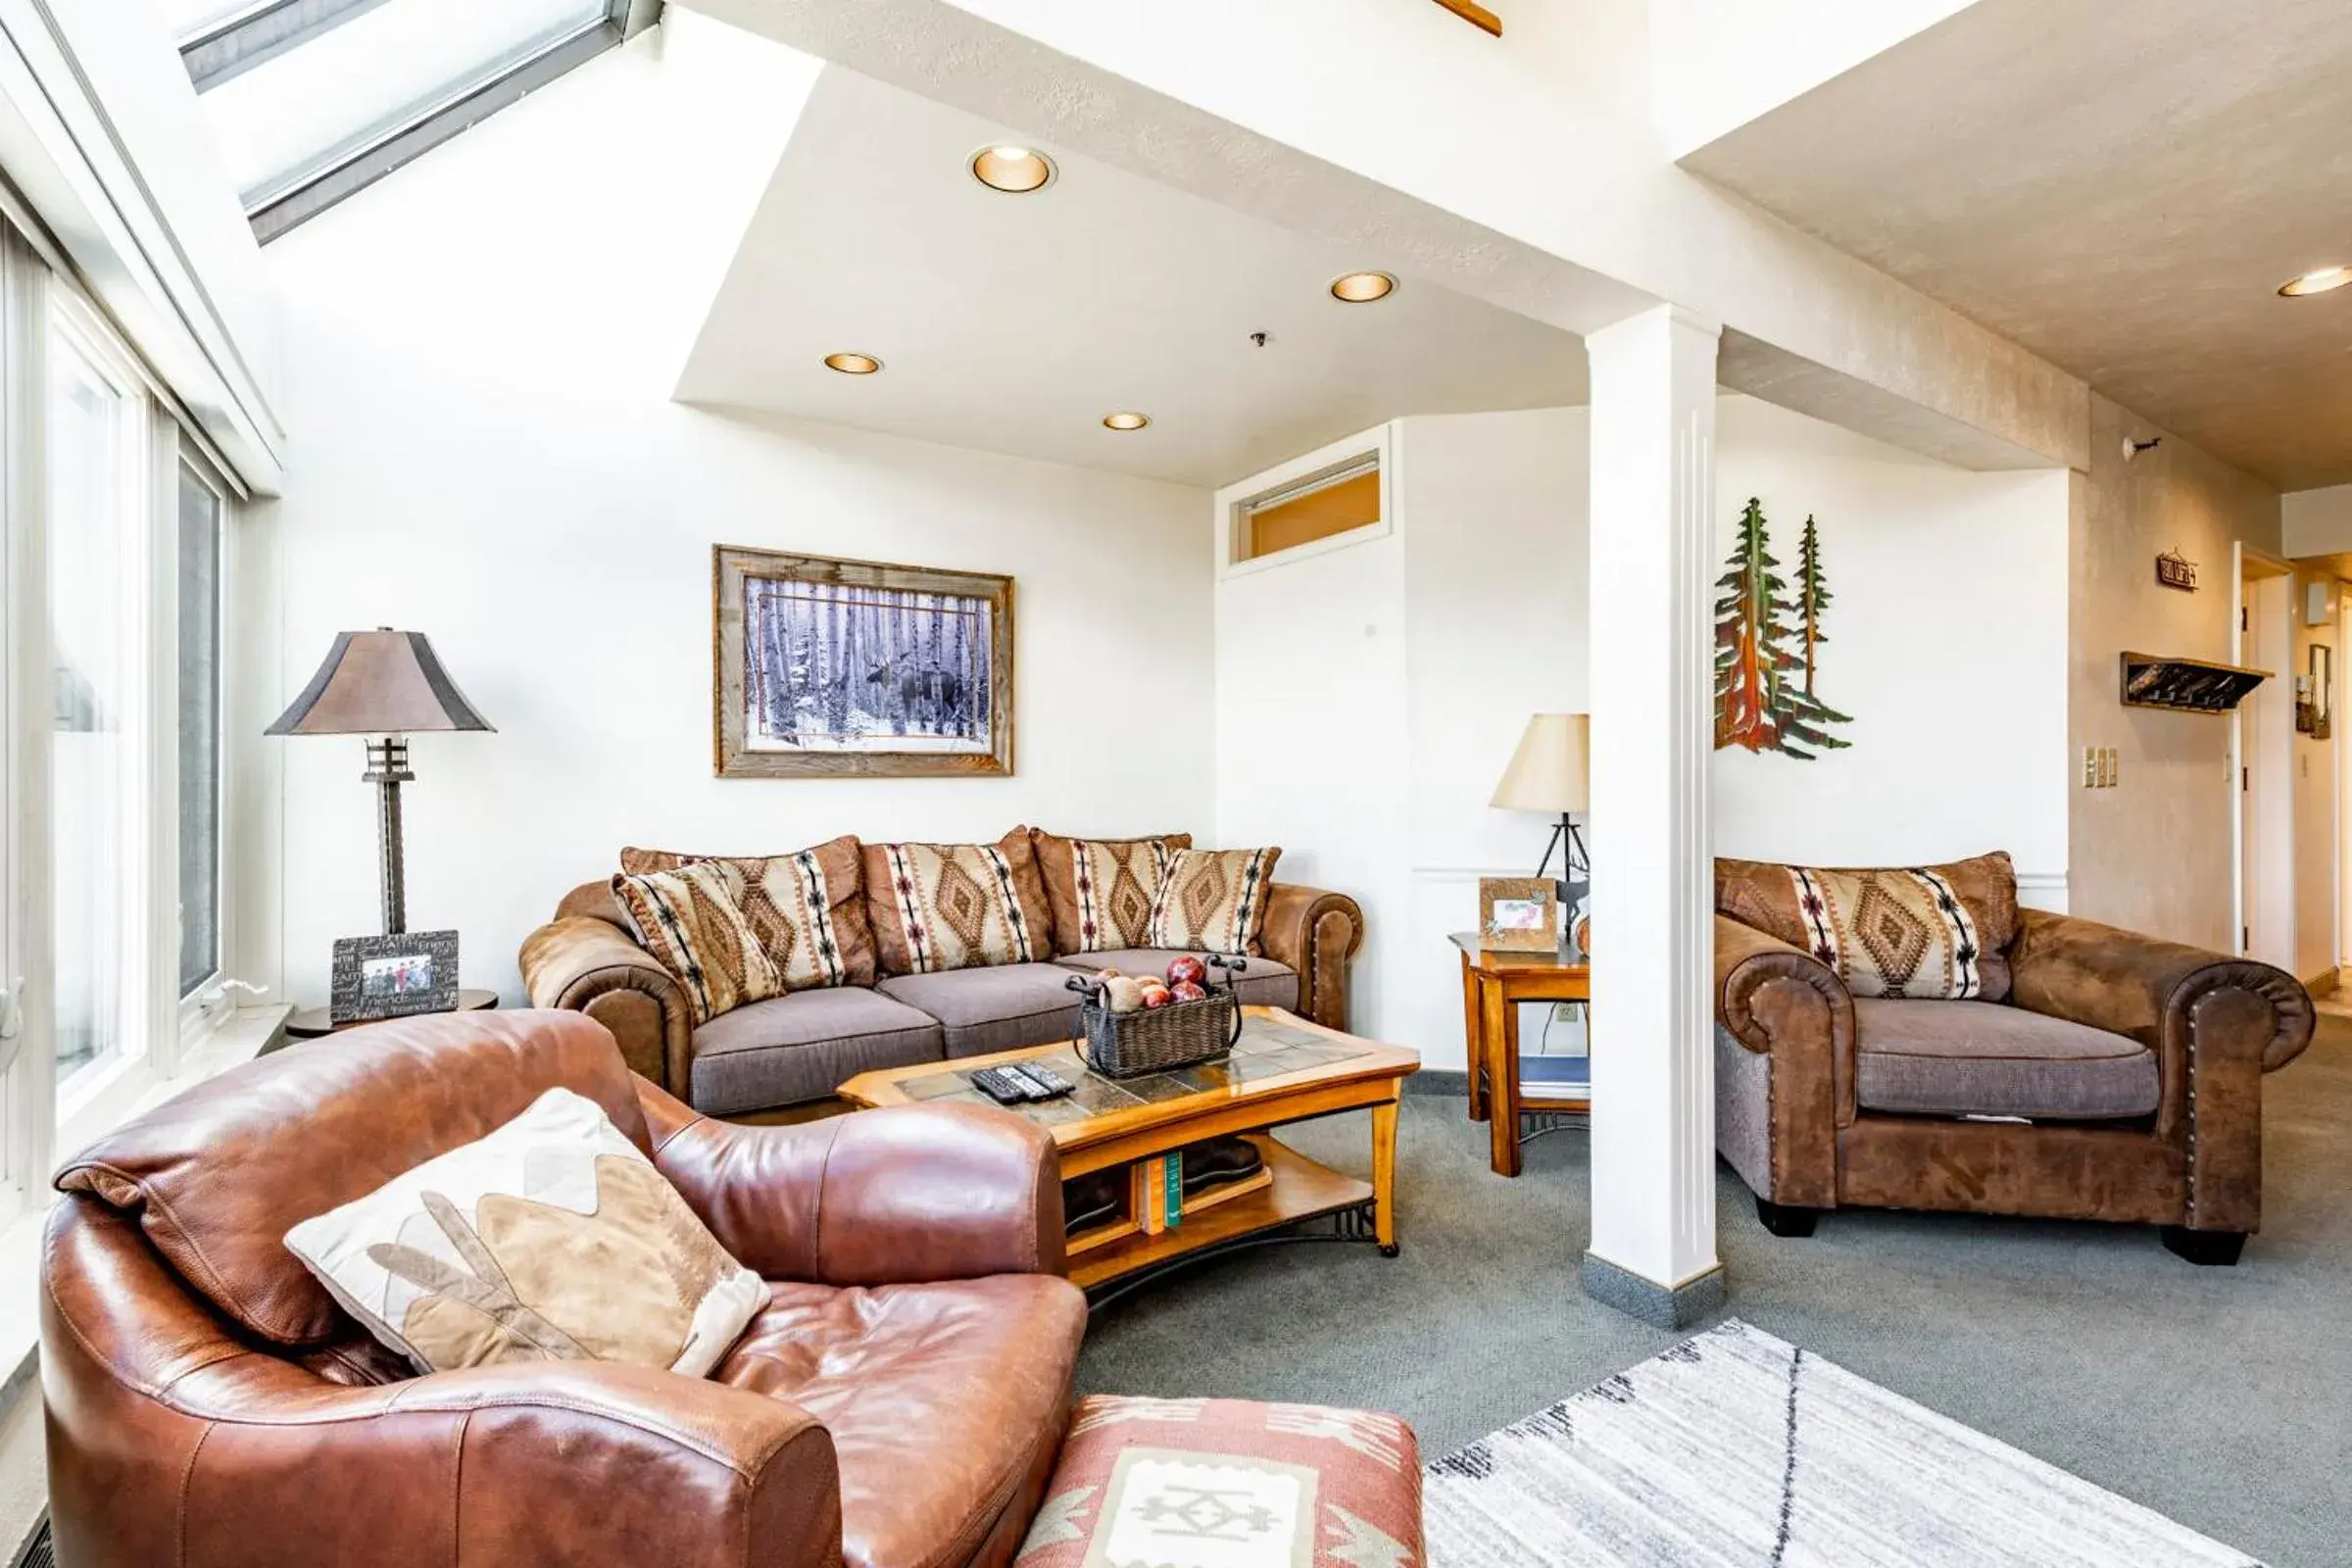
828	667
1767	646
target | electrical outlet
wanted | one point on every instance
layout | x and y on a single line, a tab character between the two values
1563	1012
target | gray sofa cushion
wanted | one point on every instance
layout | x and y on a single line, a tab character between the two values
1985	1058
1002	1006
1264	984
802	1046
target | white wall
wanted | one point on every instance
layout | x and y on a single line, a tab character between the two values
23	1476
1946	642
1948	645
480	369
1493	508
1368	697
2317	522
1719	63
1308	699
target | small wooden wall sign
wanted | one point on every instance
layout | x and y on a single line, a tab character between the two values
2176	571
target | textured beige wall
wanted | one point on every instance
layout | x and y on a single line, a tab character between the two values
2153	854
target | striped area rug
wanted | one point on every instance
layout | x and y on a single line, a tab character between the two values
1736	1451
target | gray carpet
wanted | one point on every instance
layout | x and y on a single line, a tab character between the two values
2221	1397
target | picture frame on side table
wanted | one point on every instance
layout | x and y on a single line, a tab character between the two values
1519	914
828	668
394	976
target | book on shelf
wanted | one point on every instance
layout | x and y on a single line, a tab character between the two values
1157	1193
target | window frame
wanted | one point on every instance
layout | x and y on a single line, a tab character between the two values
1374	448
207	1004
97	1097
28	1085
269	28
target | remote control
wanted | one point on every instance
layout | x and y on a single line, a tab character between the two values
1050	1085
1002	1087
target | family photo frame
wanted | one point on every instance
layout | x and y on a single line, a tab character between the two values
394	976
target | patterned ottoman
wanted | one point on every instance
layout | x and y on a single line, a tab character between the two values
1228	1484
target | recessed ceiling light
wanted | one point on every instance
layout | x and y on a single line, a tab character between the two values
1362	288
853	363
2321	280
1015	171
1125	422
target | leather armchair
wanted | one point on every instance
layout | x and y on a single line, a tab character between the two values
899	1404
1794	1117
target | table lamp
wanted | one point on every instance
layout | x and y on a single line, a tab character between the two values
387	685
1550	772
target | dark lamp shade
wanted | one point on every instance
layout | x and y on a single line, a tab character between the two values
380	682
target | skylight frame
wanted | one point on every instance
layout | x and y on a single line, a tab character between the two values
265	30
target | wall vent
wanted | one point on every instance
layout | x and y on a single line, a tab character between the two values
40	1551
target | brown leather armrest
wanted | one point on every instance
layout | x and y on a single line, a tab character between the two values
906	1195
2194	1008
1315	932
170	1442
1746	962
2135	985
1783	1003
593	966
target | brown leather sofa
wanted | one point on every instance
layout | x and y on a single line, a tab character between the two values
799	1048
899	1404
2121	1080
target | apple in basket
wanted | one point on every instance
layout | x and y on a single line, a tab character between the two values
1158	997
1188	970
1189	991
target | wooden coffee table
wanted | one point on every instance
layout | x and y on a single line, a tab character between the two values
1285	1069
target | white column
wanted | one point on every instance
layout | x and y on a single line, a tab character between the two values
1654	1063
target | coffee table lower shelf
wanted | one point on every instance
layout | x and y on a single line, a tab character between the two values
1305	1202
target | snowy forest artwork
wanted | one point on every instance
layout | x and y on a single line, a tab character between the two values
832	666
1767	646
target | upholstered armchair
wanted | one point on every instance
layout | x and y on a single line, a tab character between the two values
2116	1078
897	1405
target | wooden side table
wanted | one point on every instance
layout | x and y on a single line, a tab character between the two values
1493	983
311	1022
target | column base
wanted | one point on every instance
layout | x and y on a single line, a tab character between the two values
1666	1306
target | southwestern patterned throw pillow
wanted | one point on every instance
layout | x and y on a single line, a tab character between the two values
1212	901
807	908
691	922
1230	1484
551	1240
1101	889
938	906
1924	933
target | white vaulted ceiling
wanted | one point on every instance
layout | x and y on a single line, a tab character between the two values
1015	323
2120	189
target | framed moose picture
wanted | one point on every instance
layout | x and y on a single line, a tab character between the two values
829	668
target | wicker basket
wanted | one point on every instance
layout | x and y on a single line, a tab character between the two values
1180	1034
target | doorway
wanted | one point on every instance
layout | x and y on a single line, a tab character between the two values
2265	738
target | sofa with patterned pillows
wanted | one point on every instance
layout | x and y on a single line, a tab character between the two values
1911	1037
750	983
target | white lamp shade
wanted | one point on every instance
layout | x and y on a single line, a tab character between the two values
1550	771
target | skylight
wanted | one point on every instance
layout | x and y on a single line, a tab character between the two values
313	99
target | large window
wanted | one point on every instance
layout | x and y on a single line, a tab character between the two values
97	569
313	99
199	576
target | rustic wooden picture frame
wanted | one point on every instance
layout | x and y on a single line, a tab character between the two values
734	566
1509	891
